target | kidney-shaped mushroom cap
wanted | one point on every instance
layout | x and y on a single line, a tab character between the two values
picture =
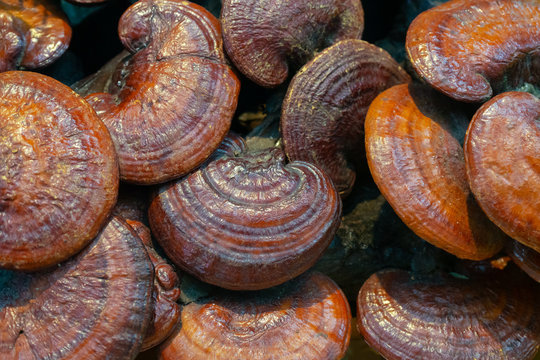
247	222
502	153
460	46
322	119
449	318
264	37
172	101
306	318
58	171
94	306
526	258
413	146
32	34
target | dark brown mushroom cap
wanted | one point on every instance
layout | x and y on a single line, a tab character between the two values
58	172
322	119
460	46
502	153
94	306
413	146
263	38
33	33
172	102
526	258
247	222
449	318
305	318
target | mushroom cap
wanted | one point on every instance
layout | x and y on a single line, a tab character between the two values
460	46
171	102
58	172
263	37
502	153
526	258
413	146
449	318
96	305
247	222
34	34
306	318
323	113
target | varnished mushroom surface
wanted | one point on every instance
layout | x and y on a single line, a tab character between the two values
58	172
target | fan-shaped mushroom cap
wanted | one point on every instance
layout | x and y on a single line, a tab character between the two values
461	46
413	137
263	37
58	172
526	258
94	306
172	101
322	119
247	222
306	318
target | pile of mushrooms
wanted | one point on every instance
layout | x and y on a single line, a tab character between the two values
135	223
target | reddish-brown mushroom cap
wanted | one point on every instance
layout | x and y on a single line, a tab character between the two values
449	318
322	119
33	34
247	222
502	153
413	137
172	101
94	306
263	37
462	46
58	172
306	318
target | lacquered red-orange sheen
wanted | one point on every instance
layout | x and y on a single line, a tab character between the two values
247	222
266	38
166	291
526	258
502	152
94	306
323	113
33	34
413	146
304	319
449	318
58	172
172	101
470	49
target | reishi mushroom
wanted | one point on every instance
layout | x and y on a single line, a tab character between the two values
58	172
323	113
171	102
526	258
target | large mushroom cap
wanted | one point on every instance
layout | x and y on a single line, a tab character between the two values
58	171
94	306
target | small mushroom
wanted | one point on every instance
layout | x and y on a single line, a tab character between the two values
403	317
247	222
171	102
33	34
413	145
265	38
526	258
58	172
323	113
96	305
306	318
469	49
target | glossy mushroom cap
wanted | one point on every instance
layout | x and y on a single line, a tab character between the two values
306	318
172	101
413	146
502	153
264	38
464	47
33	34
323	113
526	258
58	172
247	222
94	306
449	318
